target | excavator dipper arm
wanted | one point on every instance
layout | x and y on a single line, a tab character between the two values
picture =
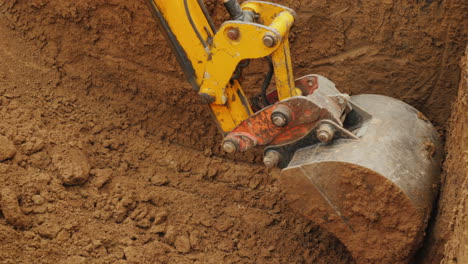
209	57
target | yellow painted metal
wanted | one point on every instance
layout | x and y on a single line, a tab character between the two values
281	19
227	53
283	72
282	58
233	112
214	63
179	23
236	108
267	11
282	23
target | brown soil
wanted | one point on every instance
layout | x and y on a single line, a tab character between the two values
448	236
91	94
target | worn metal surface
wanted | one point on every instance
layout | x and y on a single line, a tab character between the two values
397	150
304	113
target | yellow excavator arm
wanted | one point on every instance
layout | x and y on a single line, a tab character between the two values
210	56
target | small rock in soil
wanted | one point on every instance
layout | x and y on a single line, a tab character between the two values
43	178
223	225
39	160
206	221
133	254
72	165
37	199
33	146
142	211
159	179
170	234
7	148
48	230
120	213
160	217
227	245
103	176
4	168
144	223
11	210
182	244
257	220
63	235
158	229
40	209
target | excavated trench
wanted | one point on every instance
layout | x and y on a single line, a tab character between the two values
107	156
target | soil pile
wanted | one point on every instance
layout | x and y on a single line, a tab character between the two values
81	182
107	156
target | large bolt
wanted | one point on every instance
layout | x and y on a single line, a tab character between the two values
281	116
279	120
233	33
271	159
325	133
269	41
229	146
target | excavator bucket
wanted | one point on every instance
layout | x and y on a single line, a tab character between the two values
374	193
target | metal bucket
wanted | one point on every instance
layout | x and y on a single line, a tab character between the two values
374	194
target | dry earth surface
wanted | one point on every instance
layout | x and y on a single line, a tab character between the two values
107	156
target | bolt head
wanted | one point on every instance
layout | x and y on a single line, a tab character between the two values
269	164
229	147
269	41
271	159
233	33
341	100
325	133
324	136
281	116
279	120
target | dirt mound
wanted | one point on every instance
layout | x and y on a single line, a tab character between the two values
143	200
109	157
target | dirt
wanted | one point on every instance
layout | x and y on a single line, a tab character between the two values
84	183
448	236
107	156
